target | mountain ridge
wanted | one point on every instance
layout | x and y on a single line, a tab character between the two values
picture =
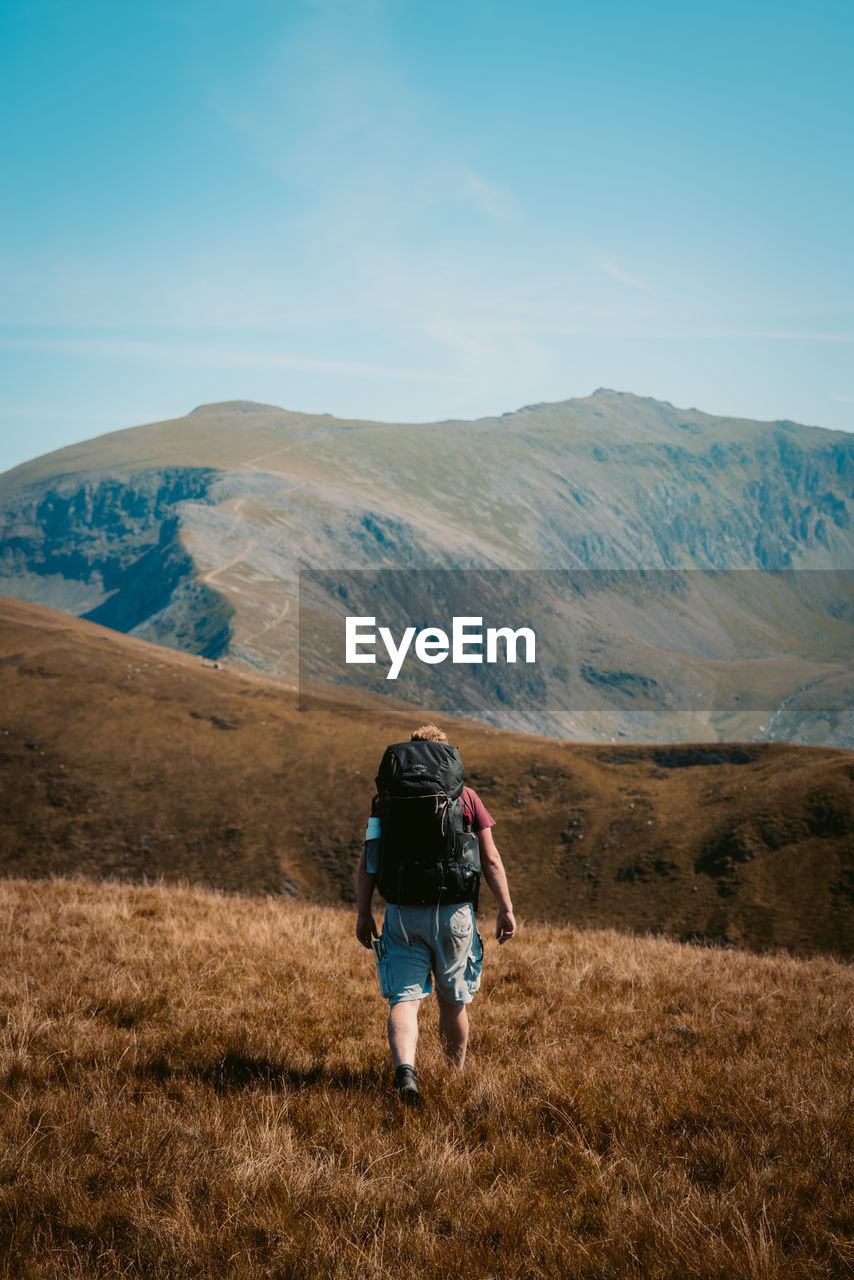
245	408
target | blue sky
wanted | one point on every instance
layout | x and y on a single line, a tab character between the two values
409	211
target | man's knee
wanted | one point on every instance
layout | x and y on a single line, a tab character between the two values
452	1011
404	1010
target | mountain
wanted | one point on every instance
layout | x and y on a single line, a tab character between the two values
191	533
119	758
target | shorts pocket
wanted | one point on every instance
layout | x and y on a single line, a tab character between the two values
474	963
382	967
461	923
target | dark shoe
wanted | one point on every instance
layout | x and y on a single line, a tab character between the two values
406	1086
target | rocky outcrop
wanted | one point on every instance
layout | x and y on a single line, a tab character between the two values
109	548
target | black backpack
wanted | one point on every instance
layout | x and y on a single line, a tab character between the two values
426	854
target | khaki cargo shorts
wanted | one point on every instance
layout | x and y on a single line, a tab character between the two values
421	943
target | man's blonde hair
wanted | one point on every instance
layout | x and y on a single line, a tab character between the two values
428	733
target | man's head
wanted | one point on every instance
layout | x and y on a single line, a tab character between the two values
428	733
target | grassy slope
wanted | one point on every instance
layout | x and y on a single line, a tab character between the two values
226	435
125	759
196	1085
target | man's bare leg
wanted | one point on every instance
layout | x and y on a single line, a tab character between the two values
453	1031
403	1031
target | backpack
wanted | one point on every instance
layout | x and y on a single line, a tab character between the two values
426	854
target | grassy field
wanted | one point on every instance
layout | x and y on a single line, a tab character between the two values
196	1084
123	760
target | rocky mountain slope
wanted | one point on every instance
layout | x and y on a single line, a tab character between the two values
191	533
124	759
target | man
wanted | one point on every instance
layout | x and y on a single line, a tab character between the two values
441	939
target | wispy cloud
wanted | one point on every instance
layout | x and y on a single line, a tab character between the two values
623	277
492	198
176	353
775	335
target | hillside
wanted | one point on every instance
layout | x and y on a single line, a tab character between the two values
121	758
197	1085
191	533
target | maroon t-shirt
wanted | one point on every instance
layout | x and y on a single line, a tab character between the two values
473	808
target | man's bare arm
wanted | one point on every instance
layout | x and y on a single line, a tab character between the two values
366	927
496	877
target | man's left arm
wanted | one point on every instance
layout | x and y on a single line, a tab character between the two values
496	878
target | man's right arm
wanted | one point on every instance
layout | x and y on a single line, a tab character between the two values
366	878
366	927
496	877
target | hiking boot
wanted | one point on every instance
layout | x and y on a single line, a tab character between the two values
406	1086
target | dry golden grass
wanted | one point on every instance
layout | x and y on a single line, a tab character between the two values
124	760
196	1085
